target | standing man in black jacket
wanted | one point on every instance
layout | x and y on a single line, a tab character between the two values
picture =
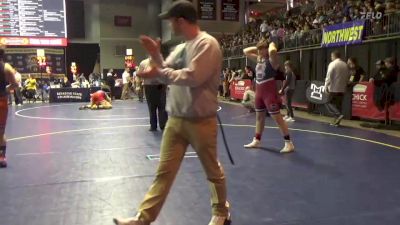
156	96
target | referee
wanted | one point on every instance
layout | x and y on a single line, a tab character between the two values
192	72
156	94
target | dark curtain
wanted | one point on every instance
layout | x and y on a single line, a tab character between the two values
305	65
85	56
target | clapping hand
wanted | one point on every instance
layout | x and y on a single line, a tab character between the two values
150	72
153	47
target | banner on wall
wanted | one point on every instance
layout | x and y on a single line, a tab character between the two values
238	88
394	110
207	9
33	41
230	10
343	34
24	60
363	105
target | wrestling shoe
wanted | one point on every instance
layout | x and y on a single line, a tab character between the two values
338	120
128	221
3	159
289	147
220	220
290	120
254	144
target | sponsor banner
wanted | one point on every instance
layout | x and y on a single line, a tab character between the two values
316	93
71	94
207	9
230	10
343	34
33	41
238	88
24	60
363	105
394	110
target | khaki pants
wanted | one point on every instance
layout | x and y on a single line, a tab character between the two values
201	134
139	88
125	91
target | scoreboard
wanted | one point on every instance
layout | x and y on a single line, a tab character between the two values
33	22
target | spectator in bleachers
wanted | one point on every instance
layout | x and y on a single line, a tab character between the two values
305	25
357	73
390	7
380	72
264	28
227	78
391	71
235	75
248	73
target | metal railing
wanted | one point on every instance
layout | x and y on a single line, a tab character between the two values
304	39
388	25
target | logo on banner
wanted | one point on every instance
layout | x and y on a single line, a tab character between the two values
317	91
371	15
241	83
360	98
360	88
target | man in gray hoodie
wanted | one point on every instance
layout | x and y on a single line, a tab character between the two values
192	72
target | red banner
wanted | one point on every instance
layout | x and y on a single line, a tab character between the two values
394	112
363	105
33	41
238	87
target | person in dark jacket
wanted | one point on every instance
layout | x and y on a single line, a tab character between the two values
110	81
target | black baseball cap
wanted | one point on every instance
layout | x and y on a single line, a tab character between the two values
180	9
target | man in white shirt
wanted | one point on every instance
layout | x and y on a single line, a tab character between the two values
17	91
336	82
264	28
126	77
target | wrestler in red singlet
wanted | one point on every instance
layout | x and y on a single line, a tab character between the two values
266	89
98	97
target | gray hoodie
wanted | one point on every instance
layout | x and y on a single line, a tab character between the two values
192	71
